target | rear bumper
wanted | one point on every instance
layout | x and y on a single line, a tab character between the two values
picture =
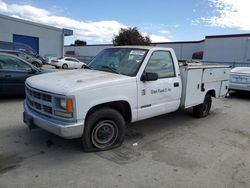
63	129
238	86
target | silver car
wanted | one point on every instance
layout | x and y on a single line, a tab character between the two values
33	60
240	79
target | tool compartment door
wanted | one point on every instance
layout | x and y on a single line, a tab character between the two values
215	74
191	91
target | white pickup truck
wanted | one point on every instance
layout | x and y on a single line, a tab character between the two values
121	85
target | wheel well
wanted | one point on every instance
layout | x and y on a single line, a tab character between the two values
211	93
35	63
121	106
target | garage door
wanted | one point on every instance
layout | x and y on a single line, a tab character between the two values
33	42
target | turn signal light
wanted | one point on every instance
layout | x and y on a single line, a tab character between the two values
69	105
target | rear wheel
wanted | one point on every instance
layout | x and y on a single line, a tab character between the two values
104	129
202	110
36	64
65	66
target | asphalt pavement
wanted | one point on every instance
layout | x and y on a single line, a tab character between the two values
172	150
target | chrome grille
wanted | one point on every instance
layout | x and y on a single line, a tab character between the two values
47	109
39	100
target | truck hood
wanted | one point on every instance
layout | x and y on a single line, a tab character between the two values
66	82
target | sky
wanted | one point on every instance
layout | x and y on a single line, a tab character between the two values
97	21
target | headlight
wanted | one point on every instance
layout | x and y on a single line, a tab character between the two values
63	103
65	108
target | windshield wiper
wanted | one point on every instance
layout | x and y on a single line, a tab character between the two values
110	68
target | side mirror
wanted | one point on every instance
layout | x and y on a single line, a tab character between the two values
149	76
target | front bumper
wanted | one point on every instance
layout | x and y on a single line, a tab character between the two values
68	130
239	86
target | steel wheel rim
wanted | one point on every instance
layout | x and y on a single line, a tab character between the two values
104	134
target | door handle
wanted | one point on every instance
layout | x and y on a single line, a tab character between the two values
176	84
7	76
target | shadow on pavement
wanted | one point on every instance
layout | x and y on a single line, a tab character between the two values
11	97
239	94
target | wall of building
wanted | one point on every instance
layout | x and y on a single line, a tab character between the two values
229	50
50	38
184	50
89	50
85	53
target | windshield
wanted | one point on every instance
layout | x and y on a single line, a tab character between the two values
126	61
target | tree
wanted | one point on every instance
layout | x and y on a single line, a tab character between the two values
80	43
130	36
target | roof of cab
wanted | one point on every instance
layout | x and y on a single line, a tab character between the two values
140	47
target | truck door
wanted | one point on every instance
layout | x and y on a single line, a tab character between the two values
162	95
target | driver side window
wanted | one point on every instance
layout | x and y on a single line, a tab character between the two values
161	62
12	63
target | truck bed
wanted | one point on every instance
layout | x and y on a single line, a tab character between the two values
199	78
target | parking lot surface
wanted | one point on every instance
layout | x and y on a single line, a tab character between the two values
172	150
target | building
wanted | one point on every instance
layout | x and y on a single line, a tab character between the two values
227	49
43	39
234	49
185	49
85	53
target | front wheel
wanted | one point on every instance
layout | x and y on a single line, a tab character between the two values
104	129
202	110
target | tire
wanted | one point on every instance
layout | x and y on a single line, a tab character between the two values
65	66
82	66
202	110
35	64
104	129
57	67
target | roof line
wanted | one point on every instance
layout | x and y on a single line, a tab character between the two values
228	36
29	22
184	42
200	41
90	45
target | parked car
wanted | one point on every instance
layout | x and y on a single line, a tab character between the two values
21	47
34	55
13	73
240	79
67	62
34	61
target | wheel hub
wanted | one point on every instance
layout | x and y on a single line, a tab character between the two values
104	134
